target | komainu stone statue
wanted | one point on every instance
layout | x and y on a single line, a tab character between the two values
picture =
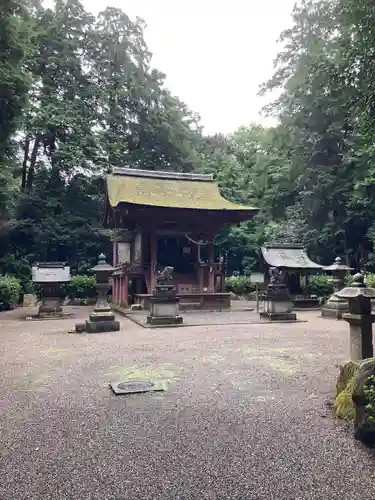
276	275
165	276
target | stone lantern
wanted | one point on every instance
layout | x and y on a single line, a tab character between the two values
102	318
335	305
359	317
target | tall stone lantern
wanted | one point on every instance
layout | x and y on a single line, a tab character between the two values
336	306
359	317
102	318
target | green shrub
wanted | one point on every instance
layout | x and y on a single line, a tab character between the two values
10	292
319	285
239	285
369	394
82	287
370	280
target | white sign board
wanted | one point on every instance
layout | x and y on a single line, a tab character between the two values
123	252
256	278
50	274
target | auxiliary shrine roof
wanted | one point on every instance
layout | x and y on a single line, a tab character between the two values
168	189
288	256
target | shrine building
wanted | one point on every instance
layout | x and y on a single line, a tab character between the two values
168	219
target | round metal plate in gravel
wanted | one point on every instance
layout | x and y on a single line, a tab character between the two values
135	386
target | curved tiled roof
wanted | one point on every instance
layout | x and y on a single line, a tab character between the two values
288	256
171	190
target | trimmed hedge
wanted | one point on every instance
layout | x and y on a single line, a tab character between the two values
82	287
239	285
319	285
10	292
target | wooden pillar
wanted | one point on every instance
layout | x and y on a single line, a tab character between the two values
211	273
154	260
115	253
201	277
126	290
114	288
121	290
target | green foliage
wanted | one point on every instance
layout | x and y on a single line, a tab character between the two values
319	285
369	394
10	292
14	265
370	280
82	287
239	285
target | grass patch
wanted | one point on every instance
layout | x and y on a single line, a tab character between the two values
343	403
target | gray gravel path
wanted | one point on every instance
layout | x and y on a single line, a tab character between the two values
244	415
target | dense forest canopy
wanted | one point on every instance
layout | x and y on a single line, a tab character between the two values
78	95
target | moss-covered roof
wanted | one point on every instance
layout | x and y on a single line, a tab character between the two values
173	191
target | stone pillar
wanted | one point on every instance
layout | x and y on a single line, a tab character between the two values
360	331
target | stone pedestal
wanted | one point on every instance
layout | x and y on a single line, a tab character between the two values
360	331
164	310
278	304
51	305
102	318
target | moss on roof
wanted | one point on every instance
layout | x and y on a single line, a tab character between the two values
173	193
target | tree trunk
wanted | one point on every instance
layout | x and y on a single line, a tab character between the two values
24	164
33	159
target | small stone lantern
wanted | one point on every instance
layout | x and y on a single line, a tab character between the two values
335	305
359	317
102	318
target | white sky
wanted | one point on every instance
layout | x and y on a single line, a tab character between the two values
215	53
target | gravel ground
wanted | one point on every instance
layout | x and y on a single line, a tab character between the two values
244	415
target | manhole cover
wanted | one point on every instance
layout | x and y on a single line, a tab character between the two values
134	387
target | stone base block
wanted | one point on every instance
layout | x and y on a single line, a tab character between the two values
101	326
164	320
50	305
334	310
101	316
51	314
278	316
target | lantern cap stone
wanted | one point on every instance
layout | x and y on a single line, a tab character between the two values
338	266
357	289
102	265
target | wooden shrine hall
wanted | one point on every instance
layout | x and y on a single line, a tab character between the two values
168	219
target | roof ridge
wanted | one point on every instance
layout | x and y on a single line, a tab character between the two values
159	174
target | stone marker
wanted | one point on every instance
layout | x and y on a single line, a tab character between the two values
102	318
278	304
164	310
359	317
30	300
336	306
